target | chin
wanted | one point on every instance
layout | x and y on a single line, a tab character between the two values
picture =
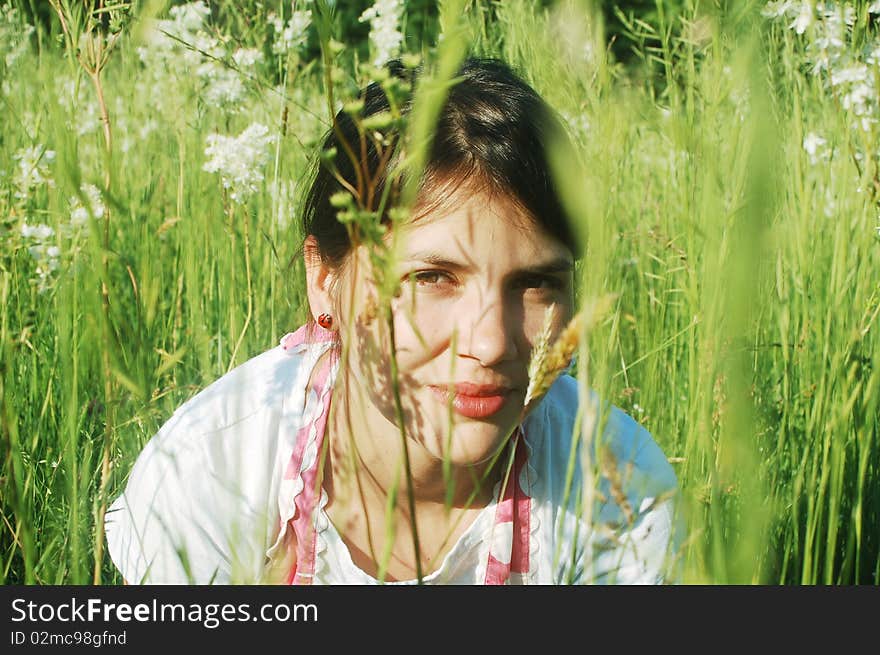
472	445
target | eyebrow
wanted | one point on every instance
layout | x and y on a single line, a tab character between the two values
557	265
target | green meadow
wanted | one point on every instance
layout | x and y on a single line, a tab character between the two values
726	178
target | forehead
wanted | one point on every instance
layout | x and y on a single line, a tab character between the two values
477	221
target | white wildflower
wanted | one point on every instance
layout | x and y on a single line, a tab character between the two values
821	63
207	44
147	128
777	9
293	35
79	213
850	74
15	34
858	94
385	37
830	203
858	98
830	34
247	58
866	124
815	146
239	160
39	232
804	18
223	86
833	11
47	256
44	272
874	7
176	45
191	16
828	43
33	169
84	115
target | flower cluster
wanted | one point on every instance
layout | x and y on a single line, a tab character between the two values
224	86
827	28
183	44
294	34
239	159
46	249
385	37
46	254
848	62
15	32
79	212
166	40
32	169
78	101
816	148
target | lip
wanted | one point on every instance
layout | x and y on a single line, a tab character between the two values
472	400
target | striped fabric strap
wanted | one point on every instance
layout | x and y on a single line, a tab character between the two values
509	550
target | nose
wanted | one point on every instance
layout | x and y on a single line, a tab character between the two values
487	331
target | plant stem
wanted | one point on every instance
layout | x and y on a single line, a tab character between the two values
398	410
250	294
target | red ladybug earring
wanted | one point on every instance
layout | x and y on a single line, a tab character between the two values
325	321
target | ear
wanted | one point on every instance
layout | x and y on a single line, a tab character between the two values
319	278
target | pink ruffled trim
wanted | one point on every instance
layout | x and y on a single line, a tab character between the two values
306	335
303	453
511	533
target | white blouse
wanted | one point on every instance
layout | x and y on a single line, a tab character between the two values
206	500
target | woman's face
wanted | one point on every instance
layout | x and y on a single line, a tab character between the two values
477	280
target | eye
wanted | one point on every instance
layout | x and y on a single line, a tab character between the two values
540	282
432	278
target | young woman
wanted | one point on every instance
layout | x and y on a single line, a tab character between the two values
337	459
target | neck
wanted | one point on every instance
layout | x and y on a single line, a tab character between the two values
370	457
371	490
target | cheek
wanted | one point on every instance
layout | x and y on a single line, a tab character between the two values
534	317
422	329
420	337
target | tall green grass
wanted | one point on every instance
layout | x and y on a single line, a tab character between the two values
744	335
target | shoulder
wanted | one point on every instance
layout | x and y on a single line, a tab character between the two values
555	428
224	416
223	426
262	382
208	477
634	526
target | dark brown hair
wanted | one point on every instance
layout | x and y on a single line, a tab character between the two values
494	129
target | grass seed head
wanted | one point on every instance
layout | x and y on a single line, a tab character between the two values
545	368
